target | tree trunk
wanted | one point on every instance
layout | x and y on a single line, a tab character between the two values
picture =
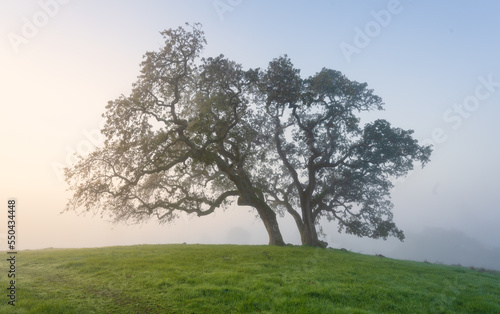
268	217
249	197
271	224
309	236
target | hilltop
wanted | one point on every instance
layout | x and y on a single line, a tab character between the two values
233	278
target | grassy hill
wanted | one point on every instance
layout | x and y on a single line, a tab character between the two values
233	279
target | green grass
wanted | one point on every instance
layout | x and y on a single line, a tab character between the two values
236	279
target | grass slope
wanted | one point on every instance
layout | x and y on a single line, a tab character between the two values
231	278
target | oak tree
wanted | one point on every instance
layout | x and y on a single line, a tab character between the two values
329	165
184	140
197	134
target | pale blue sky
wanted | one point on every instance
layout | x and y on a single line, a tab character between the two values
429	61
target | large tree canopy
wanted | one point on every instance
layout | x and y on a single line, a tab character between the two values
329	165
184	140
197	134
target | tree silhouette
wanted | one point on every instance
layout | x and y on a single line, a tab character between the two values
329	165
197	134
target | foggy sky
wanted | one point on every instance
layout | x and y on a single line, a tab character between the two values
435	65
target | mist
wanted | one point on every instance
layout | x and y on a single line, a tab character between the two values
435	65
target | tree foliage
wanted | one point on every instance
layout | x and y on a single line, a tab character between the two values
197	134
183	141
330	166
